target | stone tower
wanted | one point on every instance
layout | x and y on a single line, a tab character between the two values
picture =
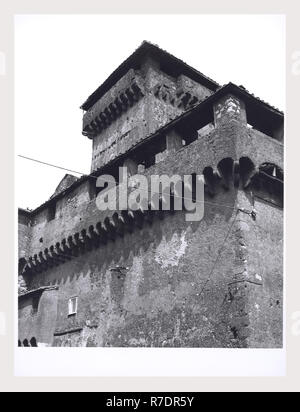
146	92
149	278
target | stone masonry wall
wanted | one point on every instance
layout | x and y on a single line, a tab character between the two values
165	293
38	317
263	250
161	297
24	235
161	98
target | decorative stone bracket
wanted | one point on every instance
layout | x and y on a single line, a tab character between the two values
103	114
177	98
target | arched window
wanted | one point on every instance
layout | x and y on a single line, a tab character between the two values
19	344
25	343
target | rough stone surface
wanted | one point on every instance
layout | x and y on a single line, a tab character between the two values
162	98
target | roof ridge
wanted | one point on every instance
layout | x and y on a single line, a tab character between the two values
101	90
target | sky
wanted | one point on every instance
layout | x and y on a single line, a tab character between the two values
60	60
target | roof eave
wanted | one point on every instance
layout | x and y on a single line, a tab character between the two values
38	291
134	57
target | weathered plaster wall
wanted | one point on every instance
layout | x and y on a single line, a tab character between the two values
264	245
166	296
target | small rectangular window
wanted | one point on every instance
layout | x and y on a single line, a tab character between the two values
73	306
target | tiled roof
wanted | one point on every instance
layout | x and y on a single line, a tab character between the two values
133	60
261	100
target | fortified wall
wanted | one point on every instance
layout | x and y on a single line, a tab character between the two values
150	278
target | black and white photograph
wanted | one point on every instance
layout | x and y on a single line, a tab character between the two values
150	181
